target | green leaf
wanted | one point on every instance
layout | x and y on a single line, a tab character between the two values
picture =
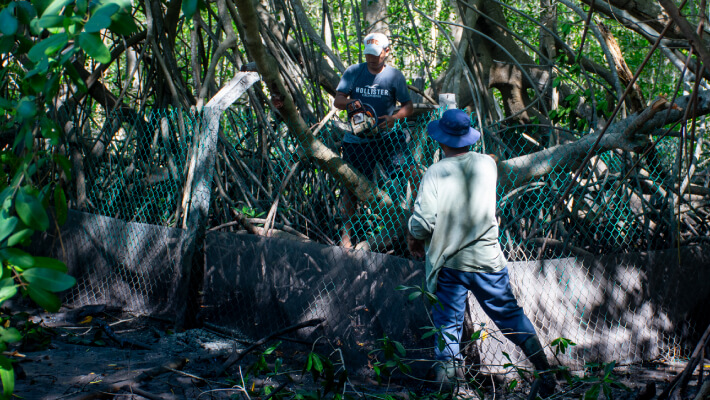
31	212
50	21
6	44
48	279
20	237
101	18
92	44
55	7
44	299
10	335
592	393
512	385
400	348
17	257
7	226
123	24
26	108
50	263
8	22
428	334
47	46
60	205
272	348
39	69
7	375
317	363
25	11
8	289
50	129
7	292
188	8
414	295
64	163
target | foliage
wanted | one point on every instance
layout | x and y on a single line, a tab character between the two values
40	41
393	353
561	344
601	378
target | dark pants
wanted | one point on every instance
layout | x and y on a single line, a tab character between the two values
390	151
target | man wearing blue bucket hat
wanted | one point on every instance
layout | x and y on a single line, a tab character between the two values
454	226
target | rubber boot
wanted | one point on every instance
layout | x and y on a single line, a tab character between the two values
545	384
447	375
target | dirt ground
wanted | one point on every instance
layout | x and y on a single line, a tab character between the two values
90	354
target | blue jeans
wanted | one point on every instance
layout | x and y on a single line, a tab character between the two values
494	295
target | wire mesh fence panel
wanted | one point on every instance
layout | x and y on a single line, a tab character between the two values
580	236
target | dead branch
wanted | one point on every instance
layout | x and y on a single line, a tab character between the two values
123	343
105	390
677	386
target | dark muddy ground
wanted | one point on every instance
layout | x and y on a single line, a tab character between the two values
70	356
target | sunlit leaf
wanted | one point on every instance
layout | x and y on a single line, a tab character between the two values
10	335
8	289
55	7
7	375
20	237
7	226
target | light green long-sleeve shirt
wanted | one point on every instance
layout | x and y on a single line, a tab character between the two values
455	214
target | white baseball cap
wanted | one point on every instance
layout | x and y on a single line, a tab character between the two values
375	43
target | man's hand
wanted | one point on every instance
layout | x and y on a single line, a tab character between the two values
416	246
388	122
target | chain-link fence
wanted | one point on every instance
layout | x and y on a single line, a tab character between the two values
602	252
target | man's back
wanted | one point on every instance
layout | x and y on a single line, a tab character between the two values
458	198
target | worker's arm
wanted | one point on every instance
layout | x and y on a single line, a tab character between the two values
423	220
388	121
341	100
416	246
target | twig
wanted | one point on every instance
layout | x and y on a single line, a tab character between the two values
121	342
704	391
681	380
130	386
236	357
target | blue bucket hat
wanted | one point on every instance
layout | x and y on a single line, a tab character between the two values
454	129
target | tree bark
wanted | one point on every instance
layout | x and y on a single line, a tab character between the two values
328	160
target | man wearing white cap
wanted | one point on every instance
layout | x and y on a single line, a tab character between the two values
375	87
454	225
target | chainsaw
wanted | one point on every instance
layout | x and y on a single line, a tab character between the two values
362	119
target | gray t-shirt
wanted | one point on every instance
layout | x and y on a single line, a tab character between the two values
381	91
455	214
